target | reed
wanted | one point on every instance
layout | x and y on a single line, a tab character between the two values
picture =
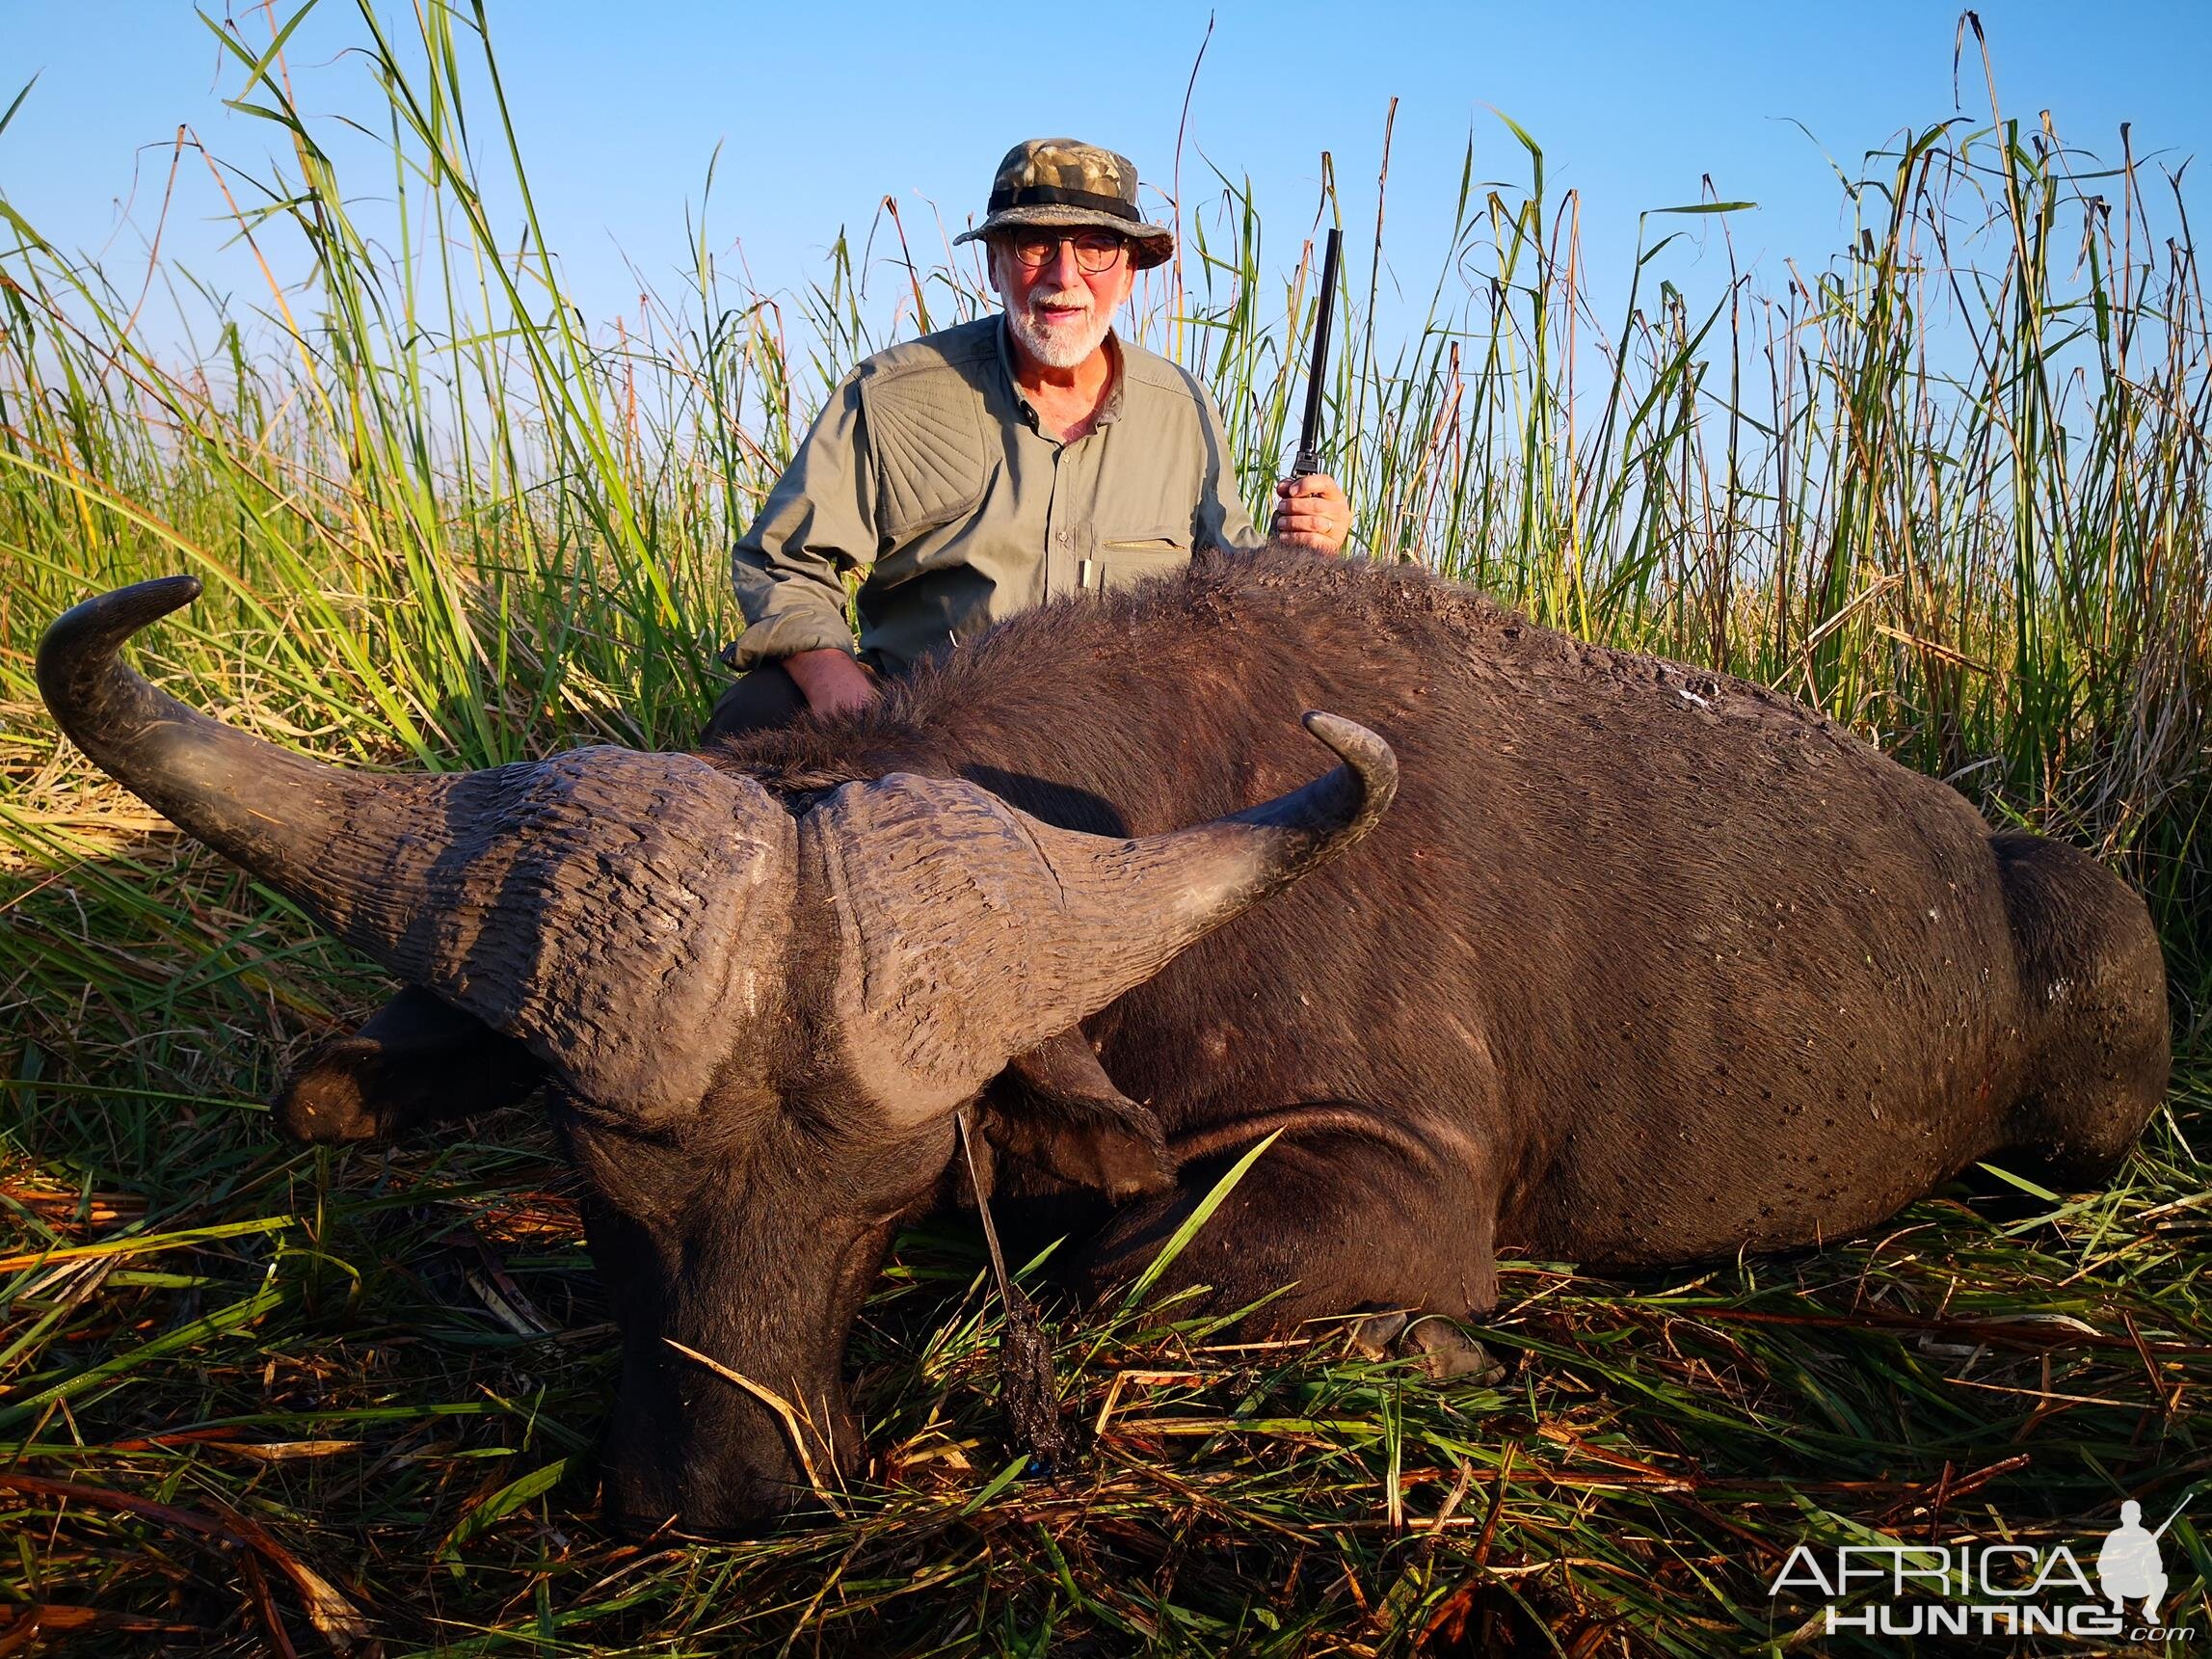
1948	486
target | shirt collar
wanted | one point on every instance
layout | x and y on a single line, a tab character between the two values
1109	412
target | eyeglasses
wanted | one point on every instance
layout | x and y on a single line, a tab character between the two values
1096	251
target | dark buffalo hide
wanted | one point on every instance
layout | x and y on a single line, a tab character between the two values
1642	965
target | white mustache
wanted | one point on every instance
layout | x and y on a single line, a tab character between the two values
1072	299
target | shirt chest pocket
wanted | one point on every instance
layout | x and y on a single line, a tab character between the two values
1126	557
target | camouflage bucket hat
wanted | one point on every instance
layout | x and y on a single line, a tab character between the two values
1062	185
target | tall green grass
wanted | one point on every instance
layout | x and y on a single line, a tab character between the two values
1946	484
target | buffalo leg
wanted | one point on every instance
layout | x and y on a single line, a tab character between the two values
416	1060
2094	981
1345	1221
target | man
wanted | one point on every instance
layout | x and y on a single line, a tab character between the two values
986	468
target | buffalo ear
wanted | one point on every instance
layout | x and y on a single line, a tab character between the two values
417	1060
1054	1107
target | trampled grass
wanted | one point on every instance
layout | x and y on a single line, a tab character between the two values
1949	486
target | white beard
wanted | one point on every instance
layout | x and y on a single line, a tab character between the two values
1060	339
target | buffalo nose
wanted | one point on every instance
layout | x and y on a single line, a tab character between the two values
637	1505
637	1526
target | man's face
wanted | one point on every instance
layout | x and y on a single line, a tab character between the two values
1060	309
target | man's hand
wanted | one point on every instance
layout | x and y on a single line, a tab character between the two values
829	679
1313	512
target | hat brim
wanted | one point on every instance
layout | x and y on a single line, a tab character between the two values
1149	245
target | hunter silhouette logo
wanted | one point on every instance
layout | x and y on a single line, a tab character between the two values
2129	1567
2000	1589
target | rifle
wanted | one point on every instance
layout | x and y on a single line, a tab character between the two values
1309	459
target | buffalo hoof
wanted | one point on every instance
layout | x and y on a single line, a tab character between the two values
1447	1353
1374	1336
1444	1352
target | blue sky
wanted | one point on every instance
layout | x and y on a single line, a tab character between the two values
821	110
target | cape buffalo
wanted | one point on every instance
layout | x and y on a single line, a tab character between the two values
1645	965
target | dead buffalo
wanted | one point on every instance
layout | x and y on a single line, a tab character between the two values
1645	965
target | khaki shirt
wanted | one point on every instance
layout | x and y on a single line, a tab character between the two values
928	468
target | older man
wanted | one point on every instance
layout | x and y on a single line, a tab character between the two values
987	468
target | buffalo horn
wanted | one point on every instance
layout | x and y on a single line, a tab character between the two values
971	931
604	906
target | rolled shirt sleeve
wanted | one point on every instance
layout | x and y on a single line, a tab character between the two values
1221	519
819	522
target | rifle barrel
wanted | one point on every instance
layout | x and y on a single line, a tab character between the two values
1309	459
2176	1514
